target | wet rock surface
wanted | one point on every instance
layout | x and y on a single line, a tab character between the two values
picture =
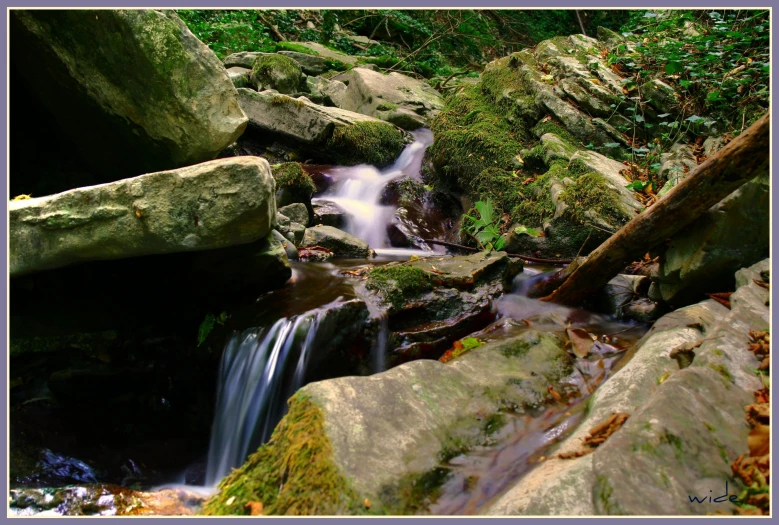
685	429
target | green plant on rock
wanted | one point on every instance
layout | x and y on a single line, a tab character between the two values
292	474
292	175
485	228
398	283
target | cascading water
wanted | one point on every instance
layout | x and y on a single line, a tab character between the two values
262	368
358	190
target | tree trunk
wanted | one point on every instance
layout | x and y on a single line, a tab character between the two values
743	159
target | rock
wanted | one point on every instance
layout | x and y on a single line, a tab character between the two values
675	165
339	242
134	89
397	98
243	59
610	170
660	95
288	245
310	64
620	292
211	205
685	426
276	72
104	500
434	300
327	92
239	76
609	37
327	53
404	233
296	212
341	136
293	185
734	232
328	214
385	433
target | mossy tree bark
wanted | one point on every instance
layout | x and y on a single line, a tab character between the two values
745	158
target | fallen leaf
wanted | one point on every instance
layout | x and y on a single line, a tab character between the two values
230	501
555	394
367	503
581	341
759	440
255	508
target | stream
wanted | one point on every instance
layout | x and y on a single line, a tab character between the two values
291	332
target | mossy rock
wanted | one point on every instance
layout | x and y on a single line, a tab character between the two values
276	72
292	184
371	142
292	474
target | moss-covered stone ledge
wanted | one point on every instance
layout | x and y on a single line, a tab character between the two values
355	438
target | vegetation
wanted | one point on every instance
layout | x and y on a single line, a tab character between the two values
291	175
427	43
376	143
292	474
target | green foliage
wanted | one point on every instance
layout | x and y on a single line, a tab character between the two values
485	228
205	328
227	32
524	230
718	60
292	175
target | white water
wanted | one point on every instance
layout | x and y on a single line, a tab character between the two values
357	191
260	370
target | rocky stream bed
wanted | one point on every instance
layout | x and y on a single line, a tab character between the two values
225	301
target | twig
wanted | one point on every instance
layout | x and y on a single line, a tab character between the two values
271	27
580	23
524	257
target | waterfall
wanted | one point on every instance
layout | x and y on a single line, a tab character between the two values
259	371
359	188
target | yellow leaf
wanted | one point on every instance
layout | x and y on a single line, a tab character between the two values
367	503
255	508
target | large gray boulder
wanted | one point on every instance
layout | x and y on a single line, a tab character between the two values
134	89
211	205
276	72
397	98
686	425
340	136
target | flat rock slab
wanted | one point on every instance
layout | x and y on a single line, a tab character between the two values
464	271
243	59
211	205
685	429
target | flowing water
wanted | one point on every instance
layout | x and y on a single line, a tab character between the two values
262	367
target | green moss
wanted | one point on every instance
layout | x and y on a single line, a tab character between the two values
293	474
723	371
290	175
517	347
552	126
415	492
590	192
376	143
397	283
282	100
472	134
277	71
494	423
603	496
291	46
387	106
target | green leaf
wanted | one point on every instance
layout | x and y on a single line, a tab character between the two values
674	67
500	243
611	145
524	230
637	185
205	328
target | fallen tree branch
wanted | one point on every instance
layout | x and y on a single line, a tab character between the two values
270	26
518	256
743	159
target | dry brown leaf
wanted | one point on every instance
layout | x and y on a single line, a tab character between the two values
759	440
581	341
255	508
